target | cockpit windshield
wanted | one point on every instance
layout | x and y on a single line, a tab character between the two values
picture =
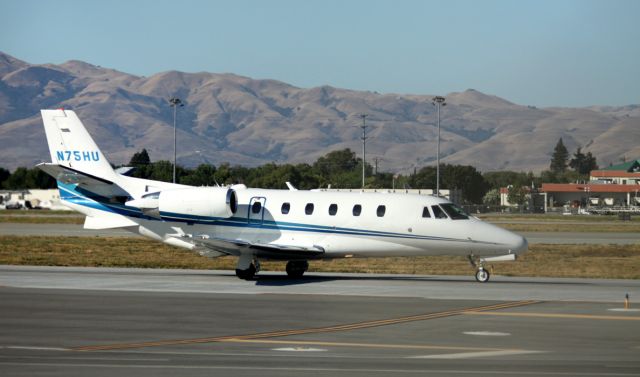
454	212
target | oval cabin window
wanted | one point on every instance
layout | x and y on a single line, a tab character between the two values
308	209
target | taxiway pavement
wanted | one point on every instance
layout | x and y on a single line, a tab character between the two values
59	321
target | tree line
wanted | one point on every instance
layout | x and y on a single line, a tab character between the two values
340	169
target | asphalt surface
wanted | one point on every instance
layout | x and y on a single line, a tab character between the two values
532	237
136	322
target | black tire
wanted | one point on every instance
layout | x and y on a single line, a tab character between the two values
295	269
482	275
247	274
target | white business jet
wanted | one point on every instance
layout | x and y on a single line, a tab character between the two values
258	224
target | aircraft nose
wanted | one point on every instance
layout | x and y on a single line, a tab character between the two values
510	242
520	244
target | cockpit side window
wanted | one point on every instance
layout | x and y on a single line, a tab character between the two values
455	212
438	213
425	212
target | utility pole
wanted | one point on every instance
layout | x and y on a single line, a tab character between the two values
376	160
175	102
364	144
438	101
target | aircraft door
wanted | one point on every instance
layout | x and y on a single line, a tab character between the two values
255	213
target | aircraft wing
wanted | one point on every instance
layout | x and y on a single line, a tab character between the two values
262	250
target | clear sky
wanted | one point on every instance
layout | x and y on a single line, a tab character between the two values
543	53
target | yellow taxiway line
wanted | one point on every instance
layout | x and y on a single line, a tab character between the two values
274	334
556	315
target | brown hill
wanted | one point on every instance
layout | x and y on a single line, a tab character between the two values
230	118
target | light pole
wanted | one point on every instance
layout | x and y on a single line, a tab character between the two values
438	101
175	102
364	144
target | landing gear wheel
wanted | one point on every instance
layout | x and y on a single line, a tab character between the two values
482	275
247	274
295	269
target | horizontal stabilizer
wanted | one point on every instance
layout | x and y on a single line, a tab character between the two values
71	176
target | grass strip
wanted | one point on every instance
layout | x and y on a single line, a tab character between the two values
543	260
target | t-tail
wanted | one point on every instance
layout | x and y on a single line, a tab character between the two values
72	147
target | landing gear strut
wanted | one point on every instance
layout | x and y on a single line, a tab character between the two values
297	268
482	275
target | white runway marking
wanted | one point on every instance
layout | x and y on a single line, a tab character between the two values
299	349
35	348
486	333
624	310
468	355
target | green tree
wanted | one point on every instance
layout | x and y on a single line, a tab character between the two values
499	179
559	158
463	177
23	178
492	197
517	195
140	158
4	175
163	171
583	163
203	175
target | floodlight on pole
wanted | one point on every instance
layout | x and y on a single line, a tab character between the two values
175	102
438	101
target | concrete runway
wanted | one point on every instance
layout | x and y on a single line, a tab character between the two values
532	237
136	322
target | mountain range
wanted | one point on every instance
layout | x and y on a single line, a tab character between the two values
245	121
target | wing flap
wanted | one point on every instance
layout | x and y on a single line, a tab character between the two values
261	250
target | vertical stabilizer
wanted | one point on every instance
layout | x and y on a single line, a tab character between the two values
71	145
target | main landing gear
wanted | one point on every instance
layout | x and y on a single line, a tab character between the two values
247	267
482	275
297	268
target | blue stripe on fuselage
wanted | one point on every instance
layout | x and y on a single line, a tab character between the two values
77	195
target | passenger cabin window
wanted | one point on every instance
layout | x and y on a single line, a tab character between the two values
455	212
438	213
285	208
357	209
256	207
308	209
333	209
425	212
381	210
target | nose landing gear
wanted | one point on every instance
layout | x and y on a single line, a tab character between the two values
482	275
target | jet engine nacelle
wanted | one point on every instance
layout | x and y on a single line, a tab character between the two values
198	202
189	203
